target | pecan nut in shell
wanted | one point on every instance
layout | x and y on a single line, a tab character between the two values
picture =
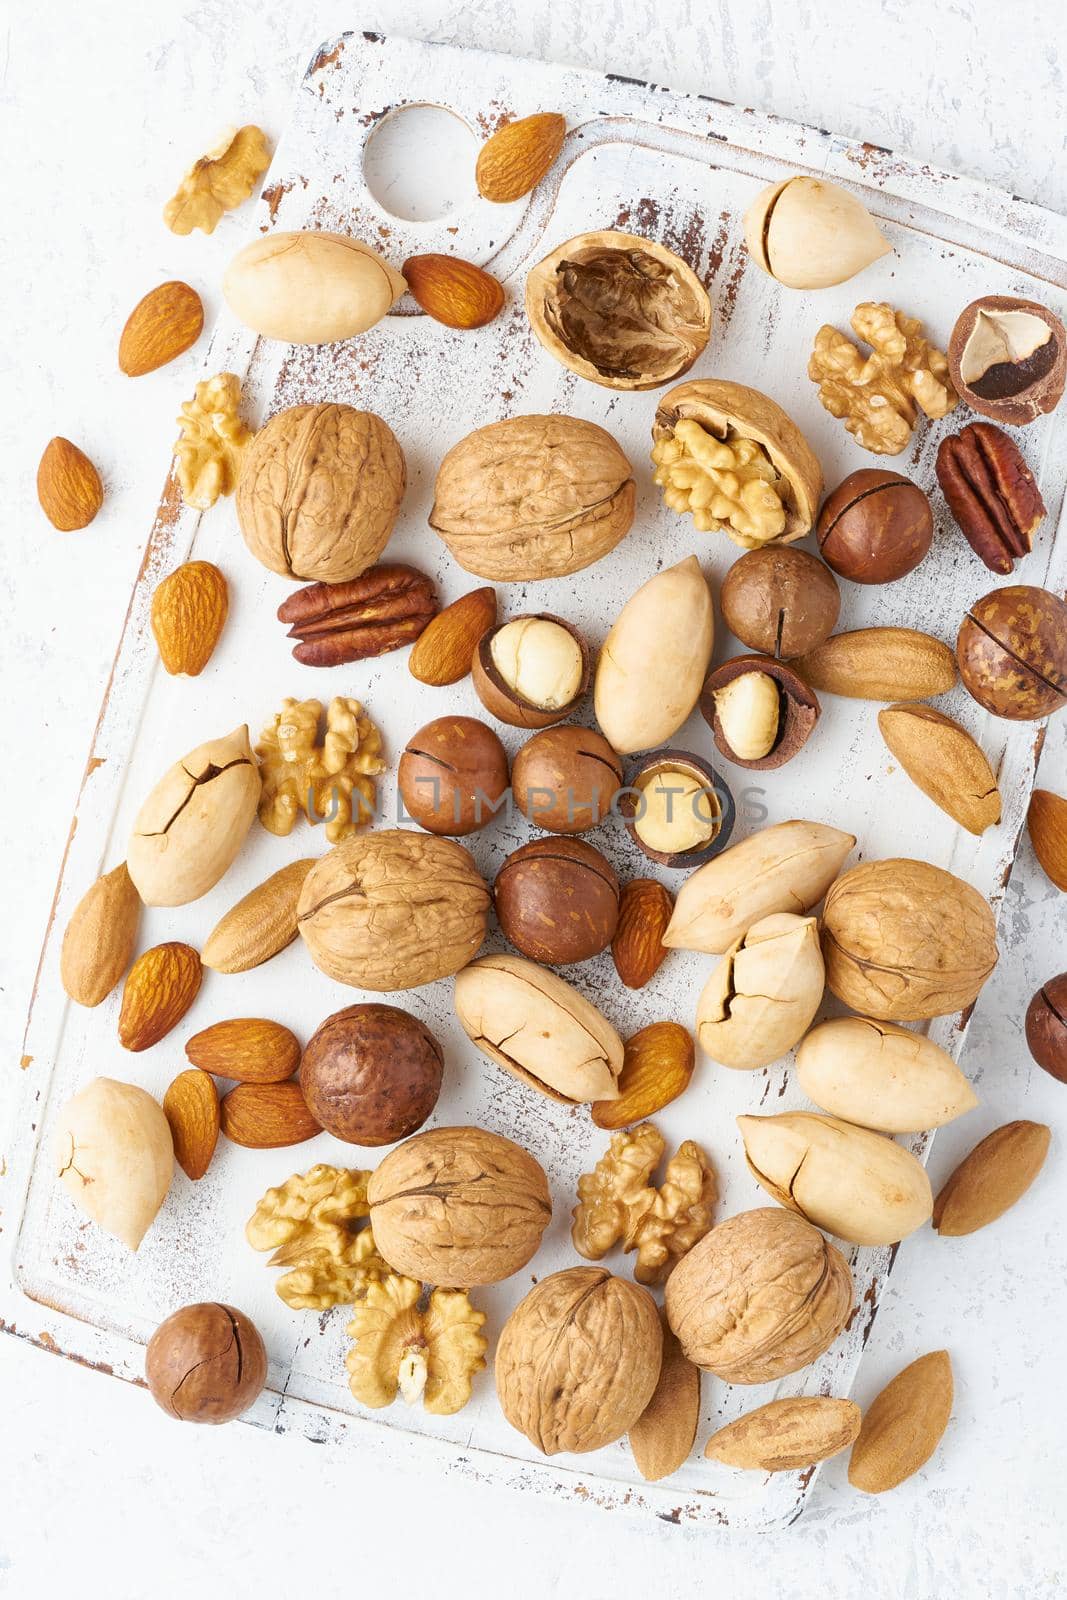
385	609
991	493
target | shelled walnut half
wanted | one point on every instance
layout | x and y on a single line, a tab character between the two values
316	1225
617	1202
428	1351
332	781
732	458
879	396
212	441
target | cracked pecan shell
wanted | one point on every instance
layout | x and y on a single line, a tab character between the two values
384	609
991	493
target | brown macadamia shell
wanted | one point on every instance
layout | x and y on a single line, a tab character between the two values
452	774
371	1074
1012	652
557	900
1008	358
565	779
875	527
206	1363
504	702
798	710
780	601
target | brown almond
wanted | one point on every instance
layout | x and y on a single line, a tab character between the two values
267	1116
988	1182
880	664
161	327
645	909
160	987
443	651
662	1437
246	1049
944	762
787	1435
189	611
68	486
1046	821
454	292
260	925
657	1065
191	1106
903	1426
100	937
518	155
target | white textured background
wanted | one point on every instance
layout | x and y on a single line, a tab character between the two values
101	107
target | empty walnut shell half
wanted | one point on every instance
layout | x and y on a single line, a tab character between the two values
619	310
677	809
1008	358
759	710
1012	652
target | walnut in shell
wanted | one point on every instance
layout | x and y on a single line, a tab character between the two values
578	1360
732	458
319	491
393	909
533	497
619	310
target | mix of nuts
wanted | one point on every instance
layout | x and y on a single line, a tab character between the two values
586	1356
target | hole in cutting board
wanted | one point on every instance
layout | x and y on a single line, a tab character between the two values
419	163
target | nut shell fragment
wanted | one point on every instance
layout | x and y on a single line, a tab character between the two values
761	998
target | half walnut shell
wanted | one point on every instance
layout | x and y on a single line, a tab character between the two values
619	310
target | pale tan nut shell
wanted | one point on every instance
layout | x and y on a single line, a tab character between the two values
393	909
761	998
1046	821
880	1076
880	664
68	486
100	937
430	1354
514	159
578	1360
990	1180
189	610
849	1181
115	1157
218	181
191	1107
945	762
160	988
316	1225
260	925
458	1207
657	1065
312	287
761	1296
162	326
246	1050
661	1439
539	1028
443	652
787	1435
903	1426
904	940
810	234
787	867
533	497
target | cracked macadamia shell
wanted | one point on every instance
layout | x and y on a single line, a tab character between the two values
393	909
762	1295
578	1360
319	492
115	1157
557	900
458	1207
206	1363
619	310
1008	358
533	497
809	234
371	1074
310	288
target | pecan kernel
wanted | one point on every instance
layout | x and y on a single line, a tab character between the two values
383	609
991	493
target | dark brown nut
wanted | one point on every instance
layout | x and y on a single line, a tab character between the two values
453	775
384	609
557	900
780	601
677	809
991	493
1046	1027
619	310
1008	358
759	711
1012	652
565	779
875	527
532	671
371	1074
206	1363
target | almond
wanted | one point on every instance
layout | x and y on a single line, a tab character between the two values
247	1049
903	1426
645	909
260	925
656	1067
100	937
787	1435
443	651
880	664
988	1182
68	486
663	1434
1047	824
191	1106
160	987
161	327
266	1116
188	614
518	155
944	762
454	292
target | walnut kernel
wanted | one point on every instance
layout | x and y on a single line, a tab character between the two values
333	781
880	396
316	1225
616	1202
212	441
430	1352
219	180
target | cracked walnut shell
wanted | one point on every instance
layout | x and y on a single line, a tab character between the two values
219	180
429	1352
880	396
316	1225
732	458
393	909
319	492
332	781
212	442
